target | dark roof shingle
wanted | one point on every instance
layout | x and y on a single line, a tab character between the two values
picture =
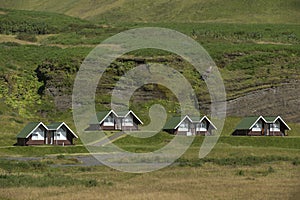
246	123
172	123
54	125
28	129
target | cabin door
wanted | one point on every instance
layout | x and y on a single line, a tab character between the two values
265	130
118	124
193	130
49	137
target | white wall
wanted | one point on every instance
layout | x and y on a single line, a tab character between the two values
257	126
275	126
201	126
184	126
128	121
109	121
38	134
60	134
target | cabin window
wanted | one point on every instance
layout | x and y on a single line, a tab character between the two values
60	134
38	134
201	126
257	126
275	126
184	126
109	121
128	121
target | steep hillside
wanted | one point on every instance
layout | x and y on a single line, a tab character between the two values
39	58
236	11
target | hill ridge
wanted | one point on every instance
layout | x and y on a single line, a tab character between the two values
234	11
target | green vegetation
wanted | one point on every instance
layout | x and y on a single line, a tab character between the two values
236	161
43	178
12	22
234	11
255	45
41	150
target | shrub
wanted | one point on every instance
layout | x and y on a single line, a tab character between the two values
240	173
60	156
37	165
26	37
85	169
105	182
91	183
271	170
296	162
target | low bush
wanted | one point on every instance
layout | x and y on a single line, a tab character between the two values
91	183
27	37
240	173
60	156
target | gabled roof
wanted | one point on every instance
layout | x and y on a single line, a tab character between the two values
122	113
270	119
29	128
204	117
56	125
175	121
130	111
195	119
274	119
102	115
248	122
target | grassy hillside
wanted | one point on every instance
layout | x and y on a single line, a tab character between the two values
234	11
250	57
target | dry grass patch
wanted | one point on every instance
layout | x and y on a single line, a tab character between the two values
207	182
12	38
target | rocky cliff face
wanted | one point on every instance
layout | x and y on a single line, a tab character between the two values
283	100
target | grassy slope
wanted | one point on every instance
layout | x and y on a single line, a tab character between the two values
245	11
219	39
274	180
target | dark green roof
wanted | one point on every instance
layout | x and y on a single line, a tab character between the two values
195	119
172	122
101	115
246	123
54	125
27	129
270	119
122	113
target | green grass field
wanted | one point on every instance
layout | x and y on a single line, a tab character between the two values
235	161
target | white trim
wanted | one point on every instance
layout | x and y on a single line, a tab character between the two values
111	111
183	120
41	123
38	134
204	117
63	123
278	117
61	134
130	111
260	117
